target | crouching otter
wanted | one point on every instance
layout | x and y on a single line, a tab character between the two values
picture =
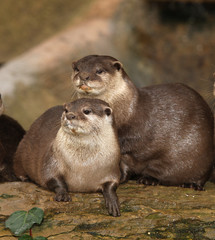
73	149
165	131
11	133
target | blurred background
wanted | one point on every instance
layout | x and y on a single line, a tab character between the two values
157	41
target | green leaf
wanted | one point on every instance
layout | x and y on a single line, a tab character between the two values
25	237
40	238
36	215
16	222
20	221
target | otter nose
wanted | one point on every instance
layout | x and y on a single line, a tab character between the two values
84	76
70	116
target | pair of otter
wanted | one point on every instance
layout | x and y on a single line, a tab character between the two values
165	134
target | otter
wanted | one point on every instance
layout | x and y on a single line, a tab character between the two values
11	133
165	131
73	148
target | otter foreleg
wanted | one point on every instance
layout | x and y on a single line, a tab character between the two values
58	185
111	199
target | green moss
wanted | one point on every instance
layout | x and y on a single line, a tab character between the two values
126	206
5	196
155	216
182	230
94	226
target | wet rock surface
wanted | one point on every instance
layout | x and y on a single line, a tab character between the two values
146	213
152	51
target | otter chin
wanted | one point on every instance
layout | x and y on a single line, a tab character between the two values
73	148
165	131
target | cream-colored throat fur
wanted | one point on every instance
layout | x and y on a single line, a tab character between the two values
120	95
87	161
85	147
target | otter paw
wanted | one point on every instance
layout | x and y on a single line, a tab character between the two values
148	181
113	208
23	178
62	197
195	186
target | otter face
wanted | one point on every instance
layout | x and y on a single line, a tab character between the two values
92	75
86	116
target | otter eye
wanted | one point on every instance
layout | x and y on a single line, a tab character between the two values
99	71
87	111
76	69
108	111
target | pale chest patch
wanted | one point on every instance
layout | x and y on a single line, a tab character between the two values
87	163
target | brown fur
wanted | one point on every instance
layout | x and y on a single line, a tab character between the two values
165	131
73	148
11	134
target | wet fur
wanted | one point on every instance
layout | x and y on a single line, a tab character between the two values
80	159
11	133
165	131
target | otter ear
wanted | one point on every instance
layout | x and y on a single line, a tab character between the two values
74	66
108	111
65	107
117	65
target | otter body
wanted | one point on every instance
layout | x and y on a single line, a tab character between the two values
73	149
165	131
11	133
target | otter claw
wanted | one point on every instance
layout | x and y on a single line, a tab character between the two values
195	186
62	197
148	181
113	209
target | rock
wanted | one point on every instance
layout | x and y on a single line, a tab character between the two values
146	213
47	56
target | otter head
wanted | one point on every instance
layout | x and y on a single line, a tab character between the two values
86	117
94	75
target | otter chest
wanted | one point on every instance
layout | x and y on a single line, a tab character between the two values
87	169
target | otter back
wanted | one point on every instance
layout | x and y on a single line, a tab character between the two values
165	131
73	148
